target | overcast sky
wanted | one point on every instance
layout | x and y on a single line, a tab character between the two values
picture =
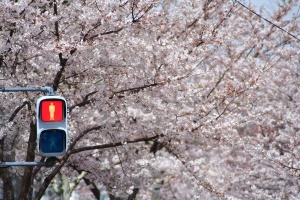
270	5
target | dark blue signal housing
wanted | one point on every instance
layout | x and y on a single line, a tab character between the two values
52	141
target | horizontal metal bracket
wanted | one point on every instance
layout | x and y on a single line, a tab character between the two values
50	162
46	89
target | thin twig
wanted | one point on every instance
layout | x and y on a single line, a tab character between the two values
260	16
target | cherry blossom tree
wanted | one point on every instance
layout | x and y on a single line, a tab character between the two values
168	99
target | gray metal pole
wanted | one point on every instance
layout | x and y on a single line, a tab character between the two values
50	162
10	164
47	90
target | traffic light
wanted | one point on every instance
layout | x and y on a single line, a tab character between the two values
52	131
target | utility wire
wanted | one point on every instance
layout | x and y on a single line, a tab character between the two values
268	21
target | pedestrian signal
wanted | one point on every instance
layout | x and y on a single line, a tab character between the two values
52	110
52	134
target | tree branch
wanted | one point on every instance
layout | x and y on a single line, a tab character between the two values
110	32
225	109
134	193
74	74
115	144
134	89
88	182
19	109
132	11
56	33
227	16
63	63
26	180
85	37
217	83
147	10
103	33
84	102
8	190
34	173
260	16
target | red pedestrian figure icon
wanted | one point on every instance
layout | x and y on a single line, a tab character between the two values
51	111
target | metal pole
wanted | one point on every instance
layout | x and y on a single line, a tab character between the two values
47	90
10	164
50	162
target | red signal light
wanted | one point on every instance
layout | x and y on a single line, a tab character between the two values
52	110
